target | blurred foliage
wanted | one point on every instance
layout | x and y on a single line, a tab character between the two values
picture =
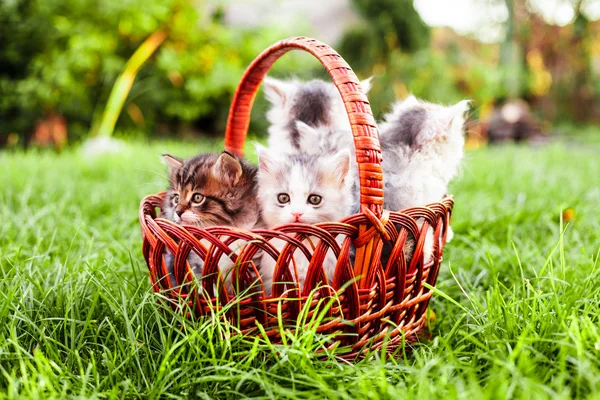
123	84
388	25
555	69
406	57
393	44
63	56
59	60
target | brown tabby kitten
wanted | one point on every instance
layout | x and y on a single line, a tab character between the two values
212	189
208	190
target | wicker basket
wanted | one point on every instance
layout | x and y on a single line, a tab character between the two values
375	305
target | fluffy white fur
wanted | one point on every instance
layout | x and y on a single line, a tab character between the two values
298	177
418	174
330	133
422	143
422	149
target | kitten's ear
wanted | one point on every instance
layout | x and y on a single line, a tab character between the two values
266	162
404	124
337	166
456	114
410	102
228	168
308	136
278	92
172	162
452	119
365	84
306	131
401	107
341	162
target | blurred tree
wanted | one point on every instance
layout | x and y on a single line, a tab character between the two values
62	57
555	68
582	96
23	34
396	24
511	55
388	25
389	30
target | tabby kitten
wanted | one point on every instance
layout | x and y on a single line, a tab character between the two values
302	188
212	189
208	190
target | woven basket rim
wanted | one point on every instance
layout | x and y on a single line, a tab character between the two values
446	202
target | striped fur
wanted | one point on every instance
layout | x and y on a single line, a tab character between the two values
227	186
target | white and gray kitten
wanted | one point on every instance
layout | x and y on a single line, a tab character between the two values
298	106
311	118
302	188
422	143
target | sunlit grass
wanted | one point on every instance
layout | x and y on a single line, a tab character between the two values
517	315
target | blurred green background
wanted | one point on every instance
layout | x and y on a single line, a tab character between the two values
60	59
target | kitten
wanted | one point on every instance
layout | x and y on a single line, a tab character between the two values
310	118
313	104
209	190
302	188
422	143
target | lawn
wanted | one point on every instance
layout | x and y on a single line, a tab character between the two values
517	316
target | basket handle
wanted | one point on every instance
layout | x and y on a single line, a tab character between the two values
364	128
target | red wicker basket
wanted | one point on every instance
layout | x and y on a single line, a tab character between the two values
375	304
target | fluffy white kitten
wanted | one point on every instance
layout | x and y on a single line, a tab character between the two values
311	118
422	143
298	106
304	188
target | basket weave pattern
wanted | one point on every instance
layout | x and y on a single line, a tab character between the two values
376	302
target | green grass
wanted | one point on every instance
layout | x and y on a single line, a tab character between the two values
518	318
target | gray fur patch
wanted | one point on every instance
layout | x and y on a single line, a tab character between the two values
311	106
405	128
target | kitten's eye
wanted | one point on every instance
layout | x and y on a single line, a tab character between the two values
314	199
175	199
197	198
283	198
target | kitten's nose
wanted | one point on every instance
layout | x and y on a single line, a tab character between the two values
179	212
297	216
